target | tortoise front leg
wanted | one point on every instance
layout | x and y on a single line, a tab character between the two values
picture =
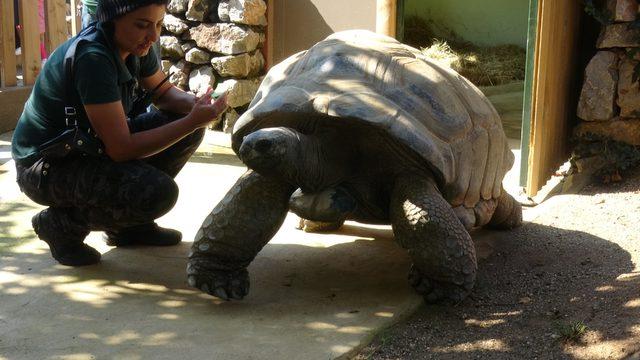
444	259
235	231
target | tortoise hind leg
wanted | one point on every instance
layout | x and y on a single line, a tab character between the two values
508	213
444	260
234	232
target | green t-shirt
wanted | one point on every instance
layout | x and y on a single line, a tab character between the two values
91	5
100	77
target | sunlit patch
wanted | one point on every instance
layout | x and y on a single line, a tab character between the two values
122	337
89	336
321	326
62	279
82	356
185	292
163	338
632	303
628	277
8	278
10	268
341	349
384	314
172	303
354	330
142	286
481	345
509	313
485	324
16	291
349	315
92	292
605	288
168	316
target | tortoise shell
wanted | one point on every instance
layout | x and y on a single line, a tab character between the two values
434	111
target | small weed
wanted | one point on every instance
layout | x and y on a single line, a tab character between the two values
571	332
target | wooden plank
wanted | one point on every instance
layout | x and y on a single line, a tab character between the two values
76	17
554	89
8	46
386	17
268	48
55	11
30	41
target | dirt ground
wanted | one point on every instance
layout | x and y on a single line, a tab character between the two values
566	285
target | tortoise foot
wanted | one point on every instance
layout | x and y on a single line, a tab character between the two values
435	291
223	284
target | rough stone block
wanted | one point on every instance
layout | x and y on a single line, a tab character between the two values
618	35
628	91
197	56
624	130
197	10
178	7
240	92
229	39
170	47
597	98
241	66
623	10
174	24
249	12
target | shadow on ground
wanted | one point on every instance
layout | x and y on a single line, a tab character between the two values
538	282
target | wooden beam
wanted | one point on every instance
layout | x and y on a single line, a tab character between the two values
56	11
268	48
8	44
386	15
553	104
76	17
30	41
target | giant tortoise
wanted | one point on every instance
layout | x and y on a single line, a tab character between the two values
361	127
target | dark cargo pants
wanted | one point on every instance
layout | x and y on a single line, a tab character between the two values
88	193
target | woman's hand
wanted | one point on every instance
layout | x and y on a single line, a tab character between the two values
204	111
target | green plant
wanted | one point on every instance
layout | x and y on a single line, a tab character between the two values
572	331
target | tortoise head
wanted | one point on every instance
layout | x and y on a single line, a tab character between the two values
271	151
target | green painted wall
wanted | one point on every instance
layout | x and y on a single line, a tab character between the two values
482	22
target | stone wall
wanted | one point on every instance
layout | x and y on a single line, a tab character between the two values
609	104
217	44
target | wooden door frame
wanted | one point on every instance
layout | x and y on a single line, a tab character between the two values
552	53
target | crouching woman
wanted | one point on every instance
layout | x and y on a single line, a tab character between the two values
80	149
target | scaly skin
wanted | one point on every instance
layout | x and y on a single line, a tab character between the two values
508	213
234	232
443	254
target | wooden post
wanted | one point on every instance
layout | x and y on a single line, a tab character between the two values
8	44
386	17
268	48
30	41
552	108
76	20
56	23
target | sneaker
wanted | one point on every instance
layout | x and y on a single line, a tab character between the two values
147	234
66	249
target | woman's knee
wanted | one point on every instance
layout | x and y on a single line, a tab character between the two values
162	196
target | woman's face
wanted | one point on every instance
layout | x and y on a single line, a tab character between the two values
136	31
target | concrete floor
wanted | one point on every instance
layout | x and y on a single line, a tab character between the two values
313	296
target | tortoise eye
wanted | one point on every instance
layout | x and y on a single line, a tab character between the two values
263	145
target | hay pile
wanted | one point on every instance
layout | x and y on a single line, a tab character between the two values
483	66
